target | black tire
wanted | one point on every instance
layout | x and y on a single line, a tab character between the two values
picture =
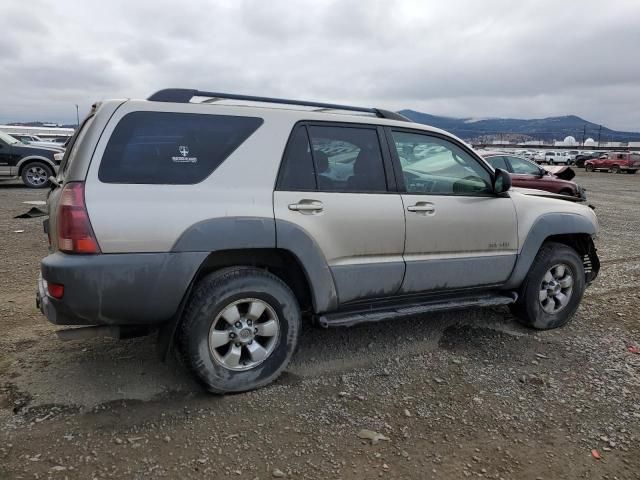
36	174
616	169
631	171
211	296
528	309
589	168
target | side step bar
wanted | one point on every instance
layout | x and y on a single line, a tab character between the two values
348	319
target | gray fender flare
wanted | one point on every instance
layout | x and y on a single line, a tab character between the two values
35	158
233	233
295	239
545	226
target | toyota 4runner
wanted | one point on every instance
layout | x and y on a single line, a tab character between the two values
221	220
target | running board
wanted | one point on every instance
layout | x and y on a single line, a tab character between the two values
348	319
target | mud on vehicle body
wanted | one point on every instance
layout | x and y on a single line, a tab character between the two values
222	225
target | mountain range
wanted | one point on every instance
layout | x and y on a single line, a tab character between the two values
535	129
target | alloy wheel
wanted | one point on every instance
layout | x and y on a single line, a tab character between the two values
244	334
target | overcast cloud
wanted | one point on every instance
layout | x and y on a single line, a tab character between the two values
523	59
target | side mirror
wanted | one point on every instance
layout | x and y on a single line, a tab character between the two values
501	181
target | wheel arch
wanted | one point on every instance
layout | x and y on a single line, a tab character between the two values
34	158
573	230
280	262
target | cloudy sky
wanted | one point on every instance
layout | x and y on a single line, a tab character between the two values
490	58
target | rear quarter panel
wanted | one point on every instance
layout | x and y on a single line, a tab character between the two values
151	218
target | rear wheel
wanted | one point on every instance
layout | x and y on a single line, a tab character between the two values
36	174
589	168
239	329
616	169
553	288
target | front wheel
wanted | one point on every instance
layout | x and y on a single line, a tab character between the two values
616	169
588	168
239	330
553	288
36	175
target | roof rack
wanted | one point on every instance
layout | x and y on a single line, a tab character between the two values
184	95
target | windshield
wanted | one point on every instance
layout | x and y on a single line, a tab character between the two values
6	138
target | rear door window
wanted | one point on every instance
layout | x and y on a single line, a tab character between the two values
497	162
347	159
171	148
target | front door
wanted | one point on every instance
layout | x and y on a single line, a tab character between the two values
334	190
458	233
525	174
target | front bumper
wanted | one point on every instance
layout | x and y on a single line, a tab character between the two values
116	289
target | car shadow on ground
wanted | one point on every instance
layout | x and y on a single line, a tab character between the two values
85	374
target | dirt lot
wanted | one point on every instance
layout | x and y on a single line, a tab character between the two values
463	394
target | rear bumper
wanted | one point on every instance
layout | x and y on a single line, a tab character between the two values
116	289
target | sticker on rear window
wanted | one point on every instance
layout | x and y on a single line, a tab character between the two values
184	158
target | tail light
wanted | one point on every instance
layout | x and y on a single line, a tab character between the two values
75	234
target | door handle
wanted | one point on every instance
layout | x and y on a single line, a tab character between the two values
422	207
308	206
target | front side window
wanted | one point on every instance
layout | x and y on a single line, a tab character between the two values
171	148
522	167
347	159
434	165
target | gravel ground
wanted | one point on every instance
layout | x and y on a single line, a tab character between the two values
449	396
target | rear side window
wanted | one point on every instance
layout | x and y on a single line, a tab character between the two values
497	162
347	159
171	148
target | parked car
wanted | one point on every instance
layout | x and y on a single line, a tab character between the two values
554	158
36	141
583	157
538	156
615	162
255	216
33	164
527	174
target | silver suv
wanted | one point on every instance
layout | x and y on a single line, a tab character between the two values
221	221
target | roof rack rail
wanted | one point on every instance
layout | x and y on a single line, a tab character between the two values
184	95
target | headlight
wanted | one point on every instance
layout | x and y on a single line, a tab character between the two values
57	157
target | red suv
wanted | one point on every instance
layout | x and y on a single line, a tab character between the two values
527	174
615	162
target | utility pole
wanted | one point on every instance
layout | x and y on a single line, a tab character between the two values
77	116
599	132
584	132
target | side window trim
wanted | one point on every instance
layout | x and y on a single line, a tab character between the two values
397	167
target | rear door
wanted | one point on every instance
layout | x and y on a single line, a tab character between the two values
336	190
459	234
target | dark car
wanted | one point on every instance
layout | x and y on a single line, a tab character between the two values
33	164
527	174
